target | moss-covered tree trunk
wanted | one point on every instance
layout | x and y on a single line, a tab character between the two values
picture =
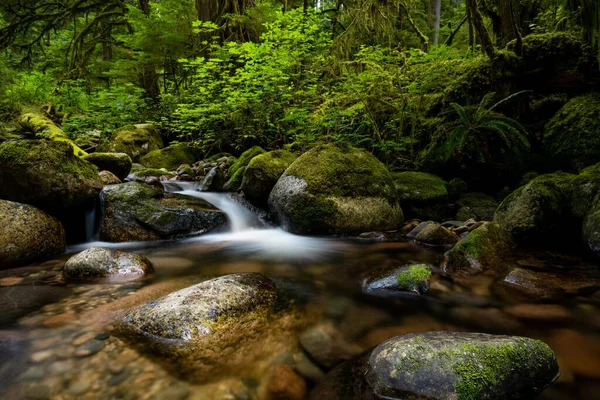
481	30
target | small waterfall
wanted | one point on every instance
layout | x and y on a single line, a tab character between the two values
208	179
240	218
91	222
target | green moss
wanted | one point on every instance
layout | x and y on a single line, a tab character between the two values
477	200
415	275
262	174
244	160
234	183
38	124
341	170
134	140
586	187
148	172
170	157
422	195
573	134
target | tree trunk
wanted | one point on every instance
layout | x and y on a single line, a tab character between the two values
149	82
481	30
508	25
437	15
471	33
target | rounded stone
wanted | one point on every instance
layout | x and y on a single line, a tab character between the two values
97	262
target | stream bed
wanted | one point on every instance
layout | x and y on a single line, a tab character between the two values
57	339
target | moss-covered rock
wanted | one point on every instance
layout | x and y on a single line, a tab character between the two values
422	195
27	234
98	262
456	188
135	140
245	159
415	278
591	229
484	248
44	126
235	181
170	157
117	163
572	136
586	187
477	206
396	281
336	189
47	175
263	172
534	212
433	234
461	366
139	212
108	178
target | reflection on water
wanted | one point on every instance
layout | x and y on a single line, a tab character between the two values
56	339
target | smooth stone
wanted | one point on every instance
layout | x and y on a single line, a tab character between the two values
98	262
89	348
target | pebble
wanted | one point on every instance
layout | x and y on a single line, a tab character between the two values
179	392
40	356
35	391
79	387
90	347
12	281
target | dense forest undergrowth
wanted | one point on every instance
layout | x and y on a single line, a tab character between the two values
467	91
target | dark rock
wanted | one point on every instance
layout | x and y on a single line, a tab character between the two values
97	262
118	163
170	157
452	365
28	234
422	195
549	285
263	172
108	178
134	140
436	235
326	345
477	206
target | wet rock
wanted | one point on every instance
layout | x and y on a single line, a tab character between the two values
456	188
170	157
418	229
326	345
237	169
436	235
481	250
89	348
97	262
413	278
28	234
591	229
336	189
539	210
539	312
134	140
214	181
477	206
108	178
449	365
263	172
282	383
550	285
136	212
118	163
46	174
422	195
150	176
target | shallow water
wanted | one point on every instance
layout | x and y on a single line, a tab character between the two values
56	339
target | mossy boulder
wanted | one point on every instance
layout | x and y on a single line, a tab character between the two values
263	172
46	174
538	210
414	278
28	234
484	248
235	181
170	157
393	282
336	189
572	136
98	262
138	212
422	195
462	366
40	125
108	178
433	234
477	206
591	229
245	159
586	187
117	163
134	140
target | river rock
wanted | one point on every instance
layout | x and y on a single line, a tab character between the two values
327	346
434	234
237	169
46	174
170	157
539	210
413	278
98	262
422	195
482	249
28	234
262	174
118	163
453	365
108	178
138	212
477	206
134	140
550	286
336	189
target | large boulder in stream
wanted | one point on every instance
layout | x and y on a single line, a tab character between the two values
135	140
98	262
237	169
211	326
539	210
138	212
423	196
28	234
336	189
457	365
46	174
117	163
170	157
262	174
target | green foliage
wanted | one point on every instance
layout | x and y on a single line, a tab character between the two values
478	129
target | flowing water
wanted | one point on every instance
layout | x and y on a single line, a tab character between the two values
56	339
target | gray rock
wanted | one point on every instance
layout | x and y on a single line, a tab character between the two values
97	262
452	365
550	285
326	345
118	163
436	235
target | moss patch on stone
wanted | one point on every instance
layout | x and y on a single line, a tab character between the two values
38	124
262	174
422	195
170	157
414	276
245	159
134	140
